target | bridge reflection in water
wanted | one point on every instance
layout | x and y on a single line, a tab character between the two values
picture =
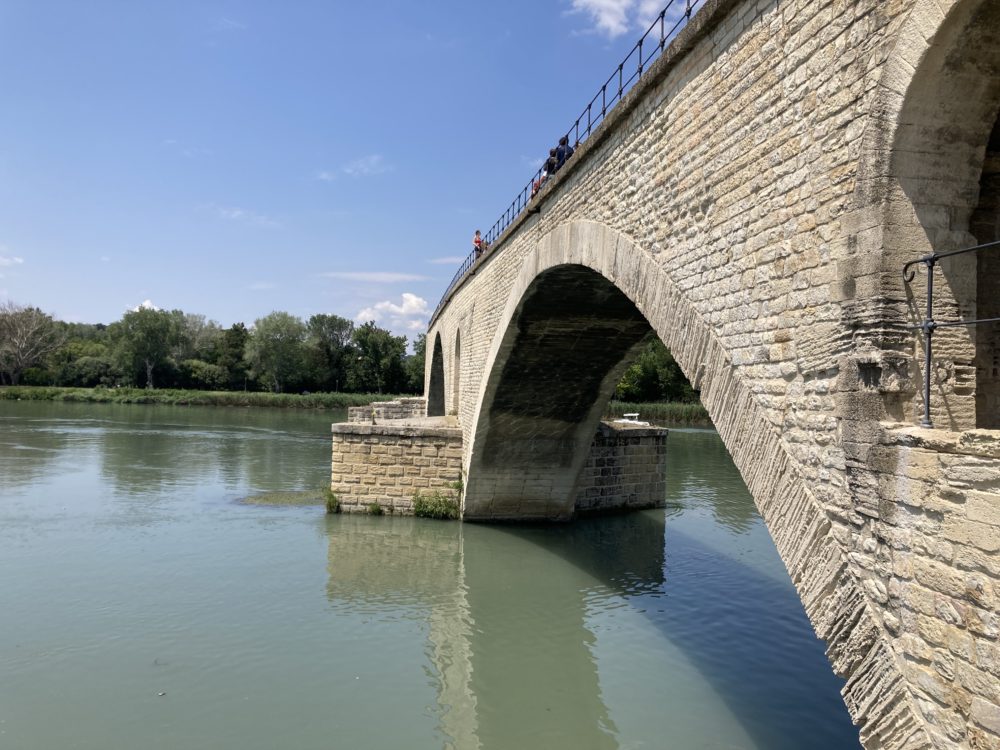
590	635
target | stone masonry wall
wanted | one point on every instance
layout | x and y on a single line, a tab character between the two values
933	506
403	408
387	465
738	196
626	469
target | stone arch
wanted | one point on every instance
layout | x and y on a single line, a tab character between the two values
918	186
644	301
435	385
456	373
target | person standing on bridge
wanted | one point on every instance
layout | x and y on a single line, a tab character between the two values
563	151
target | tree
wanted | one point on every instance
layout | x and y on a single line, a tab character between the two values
145	339
378	363
655	376
231	355
415	365
329	350
27	337
276	349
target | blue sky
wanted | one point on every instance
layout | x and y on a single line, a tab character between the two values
233	158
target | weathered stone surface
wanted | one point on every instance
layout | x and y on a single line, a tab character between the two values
751	202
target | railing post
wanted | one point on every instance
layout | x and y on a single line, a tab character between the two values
928	327
663	40
640	58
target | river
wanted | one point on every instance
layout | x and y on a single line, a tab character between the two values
143	605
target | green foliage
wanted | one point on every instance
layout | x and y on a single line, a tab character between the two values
229	355
374	509
415	365
379	359
667	414
435	505
183	350
329	350
655	376
199	374
332	501
144	339
276	349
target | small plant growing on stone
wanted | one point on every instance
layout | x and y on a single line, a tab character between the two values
435	505
374	509
332	501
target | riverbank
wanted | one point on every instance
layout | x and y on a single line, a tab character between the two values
169	396
669	414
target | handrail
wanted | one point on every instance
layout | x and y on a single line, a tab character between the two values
929	325
585	123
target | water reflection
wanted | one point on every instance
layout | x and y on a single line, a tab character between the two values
700	472
510	646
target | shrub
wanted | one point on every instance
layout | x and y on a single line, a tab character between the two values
332	501
435	505
374	509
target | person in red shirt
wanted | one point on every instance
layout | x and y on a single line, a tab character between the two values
477	244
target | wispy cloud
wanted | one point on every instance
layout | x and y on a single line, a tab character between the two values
410	315
8	261
229	24
326	176
260	286
448	260
376	277
367	166
144	305
234	213
105	259
184	149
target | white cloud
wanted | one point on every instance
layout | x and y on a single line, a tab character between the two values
610	17
448	260
411	315
616	17
105	259
367	166
6	261
259	286
233	213
144	305
375	277
326	176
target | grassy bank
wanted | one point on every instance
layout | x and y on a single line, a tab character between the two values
191	398
669	414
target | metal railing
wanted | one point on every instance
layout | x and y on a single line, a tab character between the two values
628	72
929	325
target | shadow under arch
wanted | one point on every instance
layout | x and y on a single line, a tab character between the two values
435	386
644	298
919	184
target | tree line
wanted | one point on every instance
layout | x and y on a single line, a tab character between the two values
173	349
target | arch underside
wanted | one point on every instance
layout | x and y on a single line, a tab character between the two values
572	336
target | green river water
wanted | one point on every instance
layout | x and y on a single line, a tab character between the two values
143	606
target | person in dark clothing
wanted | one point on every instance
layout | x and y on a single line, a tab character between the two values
563	151
552	163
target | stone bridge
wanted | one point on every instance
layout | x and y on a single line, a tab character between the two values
751	202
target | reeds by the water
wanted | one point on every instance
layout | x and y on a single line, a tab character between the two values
667	414
191	398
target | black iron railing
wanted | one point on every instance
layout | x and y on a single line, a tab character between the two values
929	325
666	25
